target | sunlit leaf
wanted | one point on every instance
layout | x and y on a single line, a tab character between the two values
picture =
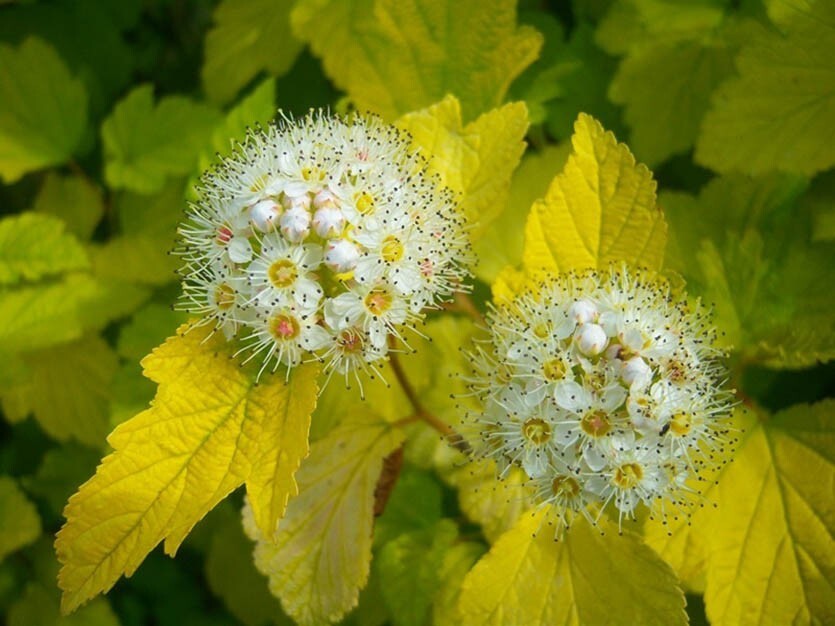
320	558
600	209
528	578
208	430
770	551
476	160
396	56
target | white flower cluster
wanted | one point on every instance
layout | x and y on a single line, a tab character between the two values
320	238
604	388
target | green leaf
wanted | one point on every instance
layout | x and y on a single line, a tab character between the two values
779	113
67	390
457	563
320	558
249	36
583	86
401	515
148	327
600	209
587	577
43	113
60	473
145	144
666	121
396	56
39	605
209	429
759	269
410	566
34	246
232	575
504	238
19	521
72	199
38	316
770	546
256	108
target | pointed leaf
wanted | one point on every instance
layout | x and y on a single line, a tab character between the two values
34	246
528	578
396	56
43	112
19	521
779	113
320	558
171	463
476	160
248	36
600	209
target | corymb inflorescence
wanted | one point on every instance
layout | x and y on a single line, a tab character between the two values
606	389
321	238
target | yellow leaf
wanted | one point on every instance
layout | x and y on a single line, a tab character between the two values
495	505
770	557
206	433
476	160
504	239
528	579
320	558
395	56
600	209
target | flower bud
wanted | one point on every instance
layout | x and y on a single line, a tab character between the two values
328	222
295	224
591	339
583	312
264	215
325	199
636	370
341	255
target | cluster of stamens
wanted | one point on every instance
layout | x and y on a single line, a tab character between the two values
606	389
321	238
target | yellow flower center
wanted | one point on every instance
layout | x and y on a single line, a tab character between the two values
350	340
392	250
537	431
596	423
259	183
365	202
224	296
542	330
628	475
378	301
565	487
283	273
284	327
554	370
681	423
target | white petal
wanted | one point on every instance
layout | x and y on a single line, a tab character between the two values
571	396
594	458
240	250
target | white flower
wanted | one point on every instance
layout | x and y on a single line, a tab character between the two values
605	388
332	237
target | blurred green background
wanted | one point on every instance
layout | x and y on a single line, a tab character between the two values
109	109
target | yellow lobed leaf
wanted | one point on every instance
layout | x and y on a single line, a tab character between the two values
770	558
35	246
601	208
476	160
395	56
320	558
206	432
528	579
